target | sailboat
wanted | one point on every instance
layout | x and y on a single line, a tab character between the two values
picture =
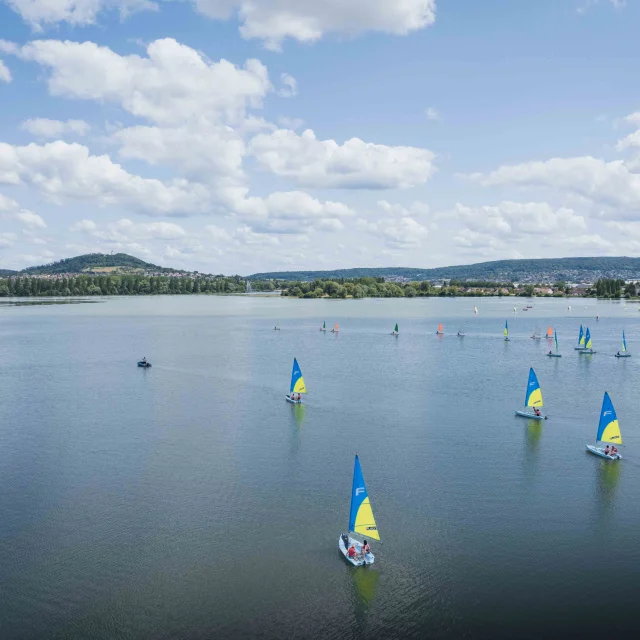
475	310
323	327
506	330
361	520
588	346
297	384
461	332
395	332
580	346
536	335
624	353
550	333
335	328
557	354
277	327
532	398
439	331
608	430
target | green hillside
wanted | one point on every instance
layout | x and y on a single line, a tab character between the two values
94	263
537	270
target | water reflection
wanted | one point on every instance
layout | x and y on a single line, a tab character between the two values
365	582
607	480
532	437
297	422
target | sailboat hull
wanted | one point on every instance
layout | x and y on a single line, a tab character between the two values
578	348
531	416
358	561
587	351
598	451
554	355
623	355
292	401
144	365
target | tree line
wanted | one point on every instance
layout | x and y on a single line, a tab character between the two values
614	288
112	285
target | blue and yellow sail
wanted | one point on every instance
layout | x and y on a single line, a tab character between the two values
555	337
608	429
533	397
581	337
587	340
297	381
624	342
506	328
361	518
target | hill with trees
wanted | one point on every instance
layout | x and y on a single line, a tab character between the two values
95	263
524	271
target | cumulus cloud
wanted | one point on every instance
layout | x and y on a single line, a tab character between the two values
271	21
352	165
288	212
75	12
45	128
68	171
5	74
127	231
612	184
10	210
289	86
215	150
432	113
400	232
172	84
521	219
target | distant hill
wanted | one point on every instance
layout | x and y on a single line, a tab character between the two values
538	270
94	263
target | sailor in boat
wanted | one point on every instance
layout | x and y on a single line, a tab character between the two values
345	540
536	411
352	553
144	361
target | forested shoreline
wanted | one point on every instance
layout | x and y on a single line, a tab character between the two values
113	285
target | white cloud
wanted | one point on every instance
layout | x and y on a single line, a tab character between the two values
291	123
10	210
432	113
5	74
76	12
271	21
201	149
30	219
45	128
171	85
352	165
127	231
289	86
288	212
68	171
397	233
612	184
416	209
511	219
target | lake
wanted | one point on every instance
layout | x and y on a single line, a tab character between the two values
191	501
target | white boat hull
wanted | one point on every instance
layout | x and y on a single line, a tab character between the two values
578	348
531	416
554	355
587	351
292	401
623	355
358	561
599	451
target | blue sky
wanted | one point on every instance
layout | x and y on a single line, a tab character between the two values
242	136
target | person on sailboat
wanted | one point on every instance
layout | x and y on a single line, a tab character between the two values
352	553
144	360
606	450
365	548
536	411
345	541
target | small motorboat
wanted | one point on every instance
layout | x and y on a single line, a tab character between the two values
144	364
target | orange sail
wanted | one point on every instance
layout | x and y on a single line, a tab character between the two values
439	328
550	332
336	328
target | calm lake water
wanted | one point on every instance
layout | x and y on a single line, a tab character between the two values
191	501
